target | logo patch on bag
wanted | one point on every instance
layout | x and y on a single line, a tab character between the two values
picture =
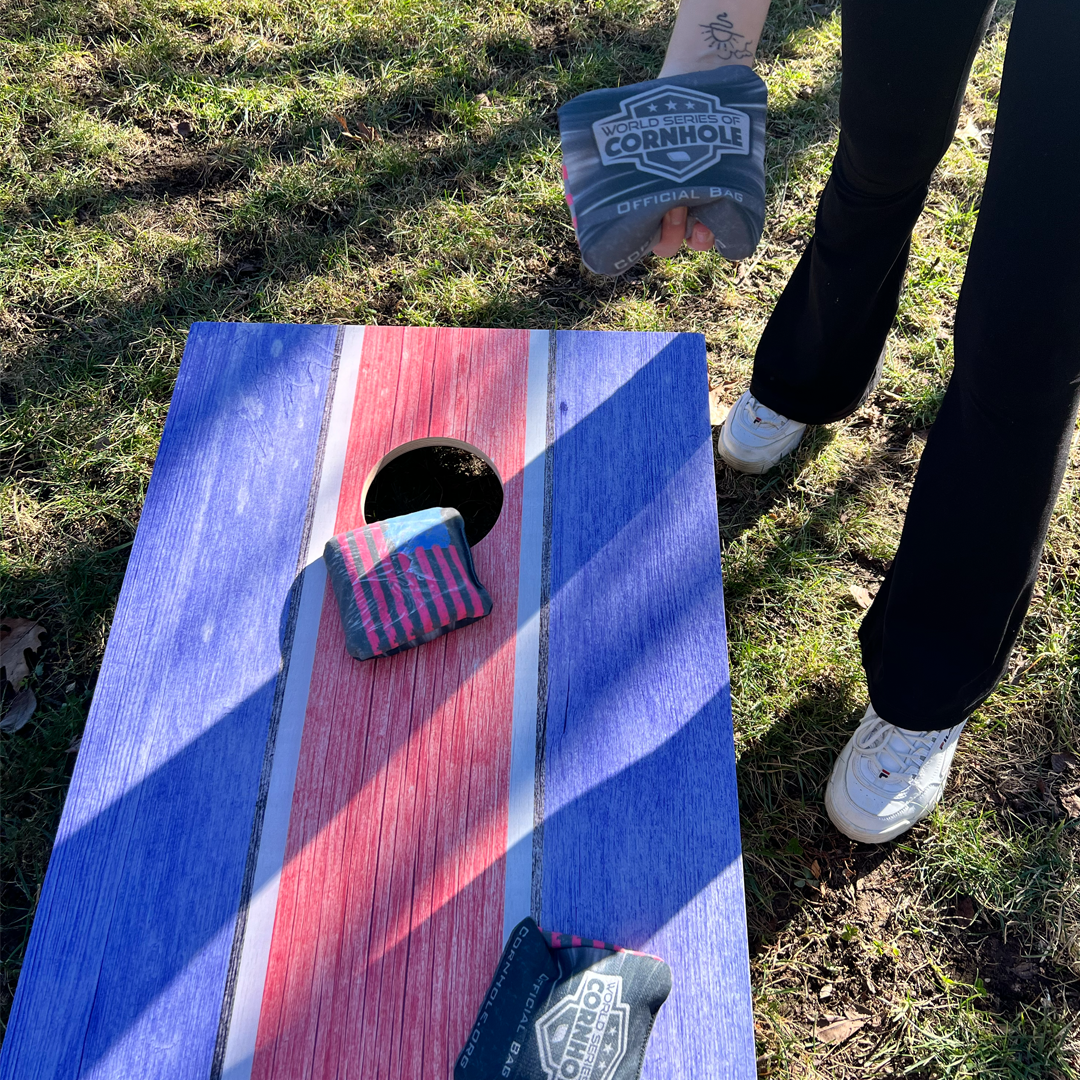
672	132
584	1037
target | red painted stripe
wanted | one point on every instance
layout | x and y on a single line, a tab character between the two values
389	917
358	595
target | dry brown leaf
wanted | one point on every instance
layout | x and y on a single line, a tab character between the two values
363	132
22	708
1063	761
1071	805
860	596
840	1030
815	869
482	99
717	411
17	638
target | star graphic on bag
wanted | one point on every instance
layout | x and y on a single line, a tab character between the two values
609	1048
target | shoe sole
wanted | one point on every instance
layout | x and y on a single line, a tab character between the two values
852	831
754	468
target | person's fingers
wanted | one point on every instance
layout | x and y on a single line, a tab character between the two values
701	238
671	233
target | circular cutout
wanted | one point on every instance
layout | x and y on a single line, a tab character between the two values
436	472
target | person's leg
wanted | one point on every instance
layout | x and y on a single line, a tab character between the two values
710	33
905	70
938	636
706	35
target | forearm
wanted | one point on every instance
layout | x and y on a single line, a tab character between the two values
711	33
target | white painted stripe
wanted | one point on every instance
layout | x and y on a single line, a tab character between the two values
519	830
247	1003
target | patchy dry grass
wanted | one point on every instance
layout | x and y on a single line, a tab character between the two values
182	160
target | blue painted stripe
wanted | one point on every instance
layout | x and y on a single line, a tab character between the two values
126	965
641	830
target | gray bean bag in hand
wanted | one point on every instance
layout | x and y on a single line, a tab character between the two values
633	153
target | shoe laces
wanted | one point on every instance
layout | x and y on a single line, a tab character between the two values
761	415
894	751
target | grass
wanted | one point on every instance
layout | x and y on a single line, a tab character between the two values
182	160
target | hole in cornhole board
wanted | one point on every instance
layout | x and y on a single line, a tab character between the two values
436	472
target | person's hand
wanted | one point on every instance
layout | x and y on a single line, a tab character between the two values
673	232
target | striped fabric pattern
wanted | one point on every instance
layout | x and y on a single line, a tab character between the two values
404	581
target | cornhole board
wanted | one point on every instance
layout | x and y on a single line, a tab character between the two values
276	862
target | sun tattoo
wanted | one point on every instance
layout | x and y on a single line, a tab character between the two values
720	35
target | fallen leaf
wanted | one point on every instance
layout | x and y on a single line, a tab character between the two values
1064	760
840	1030
17	638
825	992
482	99
965	908
1071	805
860	596
363	132
815	869
75	744
22	708
717	412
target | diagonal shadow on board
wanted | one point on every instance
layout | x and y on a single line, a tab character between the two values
183	939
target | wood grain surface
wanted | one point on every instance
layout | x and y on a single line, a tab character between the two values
641	828
390	910
384	904
126	964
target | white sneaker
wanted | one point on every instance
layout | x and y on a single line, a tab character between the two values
754	438
886	778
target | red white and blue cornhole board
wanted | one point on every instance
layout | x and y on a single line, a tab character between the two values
276	862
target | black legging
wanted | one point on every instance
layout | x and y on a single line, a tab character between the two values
938	636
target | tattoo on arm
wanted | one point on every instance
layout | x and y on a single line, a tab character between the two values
720	35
